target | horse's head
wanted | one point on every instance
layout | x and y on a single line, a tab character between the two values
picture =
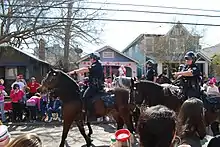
52	79
135	94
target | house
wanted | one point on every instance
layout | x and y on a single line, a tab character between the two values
112	59
167	50
14	61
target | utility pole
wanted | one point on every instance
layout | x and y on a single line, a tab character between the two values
67	36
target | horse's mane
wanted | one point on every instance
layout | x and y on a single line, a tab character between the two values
68	79
150	83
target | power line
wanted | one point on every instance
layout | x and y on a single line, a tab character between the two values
117	20
125	10
154	6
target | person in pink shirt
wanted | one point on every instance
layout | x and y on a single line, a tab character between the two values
16	96
2	97
34	104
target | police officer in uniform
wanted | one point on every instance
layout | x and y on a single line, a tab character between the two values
150	73
190	75
96	77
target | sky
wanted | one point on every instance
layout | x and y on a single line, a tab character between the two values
121	34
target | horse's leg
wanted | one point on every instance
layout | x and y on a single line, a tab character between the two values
127	117
118	119
136	114
90	128
80	126
70	112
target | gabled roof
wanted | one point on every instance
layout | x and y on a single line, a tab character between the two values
152	35
139	38
104	48
23	52
211	51
204	56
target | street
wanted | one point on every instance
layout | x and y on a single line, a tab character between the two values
51	134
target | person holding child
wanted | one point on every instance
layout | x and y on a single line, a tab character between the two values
16	96
54	106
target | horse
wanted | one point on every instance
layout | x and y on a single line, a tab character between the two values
154	94
68	91
122	82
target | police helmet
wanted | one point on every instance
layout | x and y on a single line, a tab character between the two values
95	56
150	62
190	56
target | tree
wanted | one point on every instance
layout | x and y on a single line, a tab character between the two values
26	22
216	64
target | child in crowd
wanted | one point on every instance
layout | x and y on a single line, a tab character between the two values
33	105
54	106
43	106
2	102
16	96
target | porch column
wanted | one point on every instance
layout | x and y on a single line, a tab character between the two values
105	71
206	68
110	71
159	67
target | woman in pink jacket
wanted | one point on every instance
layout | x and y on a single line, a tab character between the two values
34	104
16	96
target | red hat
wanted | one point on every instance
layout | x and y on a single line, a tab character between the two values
122	135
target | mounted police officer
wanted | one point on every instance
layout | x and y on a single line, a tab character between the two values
150	72
96	77
191	76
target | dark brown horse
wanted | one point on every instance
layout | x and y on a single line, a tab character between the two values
68	91
153	94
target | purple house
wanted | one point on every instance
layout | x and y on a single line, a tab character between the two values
112	59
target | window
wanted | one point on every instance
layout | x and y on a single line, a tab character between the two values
173	44
149	44
108	54
130	52
11	73
136	48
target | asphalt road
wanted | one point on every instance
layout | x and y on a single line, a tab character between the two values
51	134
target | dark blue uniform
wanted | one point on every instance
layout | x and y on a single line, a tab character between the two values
151	73
191	85
96	80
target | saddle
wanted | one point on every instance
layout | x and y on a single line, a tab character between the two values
107	97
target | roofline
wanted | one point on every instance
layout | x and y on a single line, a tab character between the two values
206	57
138	38
21	51
108	47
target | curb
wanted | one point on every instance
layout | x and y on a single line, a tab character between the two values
53	123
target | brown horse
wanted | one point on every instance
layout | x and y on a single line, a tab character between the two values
68	91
